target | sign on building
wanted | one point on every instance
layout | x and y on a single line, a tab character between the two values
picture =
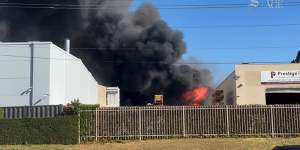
280	77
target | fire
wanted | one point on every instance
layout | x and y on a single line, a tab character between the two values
196	96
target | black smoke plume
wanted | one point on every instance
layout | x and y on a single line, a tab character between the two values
136	51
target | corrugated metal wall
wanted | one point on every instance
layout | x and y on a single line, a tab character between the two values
32	112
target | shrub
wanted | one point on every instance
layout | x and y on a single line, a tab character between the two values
86	118
88	107
72	108
1	113
58	130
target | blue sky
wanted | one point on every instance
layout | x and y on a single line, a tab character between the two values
239	44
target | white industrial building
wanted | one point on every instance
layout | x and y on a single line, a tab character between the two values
40	73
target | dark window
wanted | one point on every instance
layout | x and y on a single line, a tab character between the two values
282	98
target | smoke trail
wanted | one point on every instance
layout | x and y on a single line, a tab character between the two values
136	51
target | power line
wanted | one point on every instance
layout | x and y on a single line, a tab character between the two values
187	26
133	49
59	5
14	60
161	62
15	95
237	26
8	78
198	63
185	6
126	49
43	58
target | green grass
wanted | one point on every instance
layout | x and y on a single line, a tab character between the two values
174	144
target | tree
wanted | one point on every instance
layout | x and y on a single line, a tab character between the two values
72	108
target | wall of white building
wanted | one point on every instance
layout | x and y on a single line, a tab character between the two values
58	76
15	73
69	78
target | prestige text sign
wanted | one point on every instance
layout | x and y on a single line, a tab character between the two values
281	77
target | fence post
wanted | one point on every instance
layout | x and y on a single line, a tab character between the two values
227	119
140	123
183	121
96	125
272	121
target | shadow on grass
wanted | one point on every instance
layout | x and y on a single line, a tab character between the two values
287	147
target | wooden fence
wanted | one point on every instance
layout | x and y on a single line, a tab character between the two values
19	112
187	121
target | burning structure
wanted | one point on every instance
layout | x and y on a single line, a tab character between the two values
136	51
196	96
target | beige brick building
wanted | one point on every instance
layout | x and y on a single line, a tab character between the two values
260	84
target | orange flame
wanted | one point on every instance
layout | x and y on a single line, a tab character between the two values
196	96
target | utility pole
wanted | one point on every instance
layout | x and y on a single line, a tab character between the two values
31	73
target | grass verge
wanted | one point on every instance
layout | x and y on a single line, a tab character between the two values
174	144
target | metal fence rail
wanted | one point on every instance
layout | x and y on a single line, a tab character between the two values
189	121
32	111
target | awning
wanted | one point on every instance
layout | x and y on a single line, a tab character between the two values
283	90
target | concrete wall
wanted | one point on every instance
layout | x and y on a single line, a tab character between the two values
229	89
102	96
244	86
